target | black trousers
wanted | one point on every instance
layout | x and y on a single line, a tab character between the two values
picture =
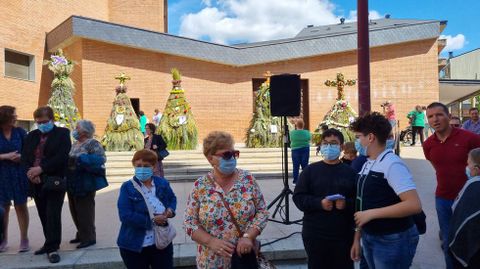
49	206
149	258
82	209
417	130
328	254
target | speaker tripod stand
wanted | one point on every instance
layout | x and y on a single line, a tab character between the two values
283	199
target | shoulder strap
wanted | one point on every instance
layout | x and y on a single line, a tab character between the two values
149	206
225	203
231	214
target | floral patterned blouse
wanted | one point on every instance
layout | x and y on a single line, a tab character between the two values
205	210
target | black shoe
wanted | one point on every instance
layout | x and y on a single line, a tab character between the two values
40	251
53	257
87	244
75	241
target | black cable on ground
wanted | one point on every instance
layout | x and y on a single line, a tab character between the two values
280	239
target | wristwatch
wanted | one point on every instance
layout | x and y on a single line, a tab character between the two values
246	235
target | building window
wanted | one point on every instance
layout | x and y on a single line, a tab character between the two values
19	65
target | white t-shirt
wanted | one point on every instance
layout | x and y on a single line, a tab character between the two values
394	170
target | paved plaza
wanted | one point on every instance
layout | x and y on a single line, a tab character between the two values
105	255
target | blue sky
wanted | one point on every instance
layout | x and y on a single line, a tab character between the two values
237	21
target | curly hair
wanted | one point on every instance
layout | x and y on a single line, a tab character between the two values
372	123
6	114
217	140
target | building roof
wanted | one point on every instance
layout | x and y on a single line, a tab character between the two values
452	90
311	41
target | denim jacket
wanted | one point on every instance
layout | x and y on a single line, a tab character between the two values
133	212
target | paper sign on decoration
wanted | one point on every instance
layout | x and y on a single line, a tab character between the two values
119	118
273	129
182	120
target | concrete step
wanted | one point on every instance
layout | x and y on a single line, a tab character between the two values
277	175
200	162
198	168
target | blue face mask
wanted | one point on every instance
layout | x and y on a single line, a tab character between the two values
45	127
361	149
330	152
75	134
143	173
468	173
390	144
227	167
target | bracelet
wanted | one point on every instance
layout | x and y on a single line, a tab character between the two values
357	229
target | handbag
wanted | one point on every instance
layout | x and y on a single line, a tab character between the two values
252	260
54	183
162	154
163	235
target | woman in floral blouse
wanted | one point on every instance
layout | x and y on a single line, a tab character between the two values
207	220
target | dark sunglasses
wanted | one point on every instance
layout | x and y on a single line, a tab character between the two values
227	155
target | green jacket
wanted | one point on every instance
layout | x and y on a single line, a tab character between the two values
418	118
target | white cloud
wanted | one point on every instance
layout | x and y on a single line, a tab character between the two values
454	42
234	21
372	15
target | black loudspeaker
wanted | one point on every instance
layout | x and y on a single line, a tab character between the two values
285	95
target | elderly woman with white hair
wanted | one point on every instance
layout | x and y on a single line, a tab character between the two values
86	175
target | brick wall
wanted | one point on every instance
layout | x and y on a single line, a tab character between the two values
221	96
147	14
24	26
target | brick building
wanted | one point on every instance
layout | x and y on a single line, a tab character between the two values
112	36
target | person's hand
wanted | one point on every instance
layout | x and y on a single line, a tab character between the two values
16	157
35	180
154	147
340	204
363	217
327	205
356	251
221	247
244	246
160	219
9	156
34	172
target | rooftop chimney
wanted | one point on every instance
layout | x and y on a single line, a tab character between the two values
387	16
342	20
450	54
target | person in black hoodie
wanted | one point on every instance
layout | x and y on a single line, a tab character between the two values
45	155
156	143
328	225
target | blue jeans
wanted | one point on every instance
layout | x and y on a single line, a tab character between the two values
299	158
390	251
444	214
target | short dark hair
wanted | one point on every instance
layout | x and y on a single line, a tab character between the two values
141	113
6	114
438	104
43	111
145	155
151	126
472	109
333	132
374	123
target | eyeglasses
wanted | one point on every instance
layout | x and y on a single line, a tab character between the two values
227	155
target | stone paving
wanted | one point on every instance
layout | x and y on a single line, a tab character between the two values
428	255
